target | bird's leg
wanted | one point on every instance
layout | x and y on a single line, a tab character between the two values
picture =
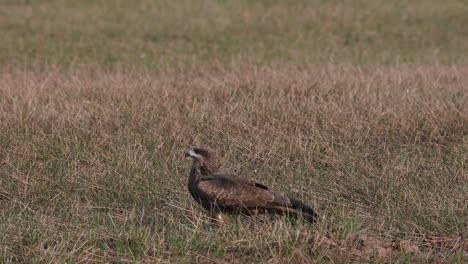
217	218
252	211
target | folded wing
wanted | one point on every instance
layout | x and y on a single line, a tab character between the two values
236	193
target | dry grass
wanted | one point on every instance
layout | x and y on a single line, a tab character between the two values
92	166
357	107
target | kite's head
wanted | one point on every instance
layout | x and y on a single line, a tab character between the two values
205	157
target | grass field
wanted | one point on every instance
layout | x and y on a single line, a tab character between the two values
358	108
183	34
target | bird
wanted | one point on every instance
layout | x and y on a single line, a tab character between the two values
222	193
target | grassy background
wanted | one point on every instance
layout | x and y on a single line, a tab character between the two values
357	107
181	34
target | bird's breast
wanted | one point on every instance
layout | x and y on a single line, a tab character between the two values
193	190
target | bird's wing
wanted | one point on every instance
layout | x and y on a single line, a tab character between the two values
233	192
279	198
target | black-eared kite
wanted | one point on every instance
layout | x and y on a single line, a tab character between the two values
221	193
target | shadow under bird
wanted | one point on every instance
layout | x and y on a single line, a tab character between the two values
221	193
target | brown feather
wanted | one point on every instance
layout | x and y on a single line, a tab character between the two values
228	193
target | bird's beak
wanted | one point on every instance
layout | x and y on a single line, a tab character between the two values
190	153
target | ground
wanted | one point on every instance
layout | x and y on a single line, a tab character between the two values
358	108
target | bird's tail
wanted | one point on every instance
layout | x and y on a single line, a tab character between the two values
308	212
